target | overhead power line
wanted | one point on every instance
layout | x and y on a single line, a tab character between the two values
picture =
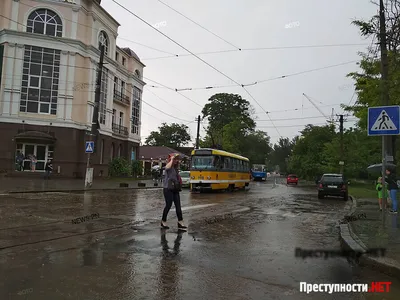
201	26
256	49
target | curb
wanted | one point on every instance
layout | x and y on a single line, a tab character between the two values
350	240
80	190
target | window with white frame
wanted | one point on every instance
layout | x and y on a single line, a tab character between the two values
103	40
137	97
44	21
103	96
40	79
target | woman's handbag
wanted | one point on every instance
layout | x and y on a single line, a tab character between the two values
174	185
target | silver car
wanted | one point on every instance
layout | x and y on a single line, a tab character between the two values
185	175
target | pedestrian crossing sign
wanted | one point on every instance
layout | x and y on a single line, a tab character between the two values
384	120
89	147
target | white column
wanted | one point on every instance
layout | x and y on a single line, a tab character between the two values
140	114
70	85
17	80
8	78
14	15
91	87
94	33
109	100
63	85
74	23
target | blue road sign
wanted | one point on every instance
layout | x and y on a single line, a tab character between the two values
89	146
384	120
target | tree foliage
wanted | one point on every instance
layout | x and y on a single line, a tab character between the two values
231	126
278	158
224	109
119	167
169	135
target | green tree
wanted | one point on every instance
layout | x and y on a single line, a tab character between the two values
308	158
223	109
368	81
119	167
170	135
360	151
258	147
137	168
280	154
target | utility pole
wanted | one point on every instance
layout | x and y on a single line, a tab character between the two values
95	119
341	163
198	132
386	140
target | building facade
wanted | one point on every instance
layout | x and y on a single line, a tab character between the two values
49	54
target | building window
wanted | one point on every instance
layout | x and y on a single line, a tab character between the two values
112	151
137	96
113	116
103	96
103	40
116	56
116	84
44	21
121	118
123	61
40	79
123	85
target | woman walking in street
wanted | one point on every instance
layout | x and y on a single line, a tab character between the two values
171	187
392	187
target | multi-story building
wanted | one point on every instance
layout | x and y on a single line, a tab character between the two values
49	53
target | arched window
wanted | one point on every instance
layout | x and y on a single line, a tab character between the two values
44	21
103	40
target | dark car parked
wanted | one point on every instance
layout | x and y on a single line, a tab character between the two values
333	185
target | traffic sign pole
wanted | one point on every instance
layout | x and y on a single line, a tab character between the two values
384	121
384	195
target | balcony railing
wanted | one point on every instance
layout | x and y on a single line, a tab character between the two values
121	130
118	96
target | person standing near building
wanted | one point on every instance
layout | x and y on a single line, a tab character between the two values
33	162
171	187
48	168
392	187
20	160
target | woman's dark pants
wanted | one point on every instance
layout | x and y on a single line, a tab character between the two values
172	197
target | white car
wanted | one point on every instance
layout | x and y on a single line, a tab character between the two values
185	175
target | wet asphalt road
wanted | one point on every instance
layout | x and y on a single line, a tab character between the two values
124	255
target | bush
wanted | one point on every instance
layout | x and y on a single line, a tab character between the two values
119	167
137	168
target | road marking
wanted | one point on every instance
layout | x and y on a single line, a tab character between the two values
197	206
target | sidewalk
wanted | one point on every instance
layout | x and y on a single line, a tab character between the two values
378	230
37	185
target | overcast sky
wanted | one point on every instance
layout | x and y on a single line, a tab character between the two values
245	24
